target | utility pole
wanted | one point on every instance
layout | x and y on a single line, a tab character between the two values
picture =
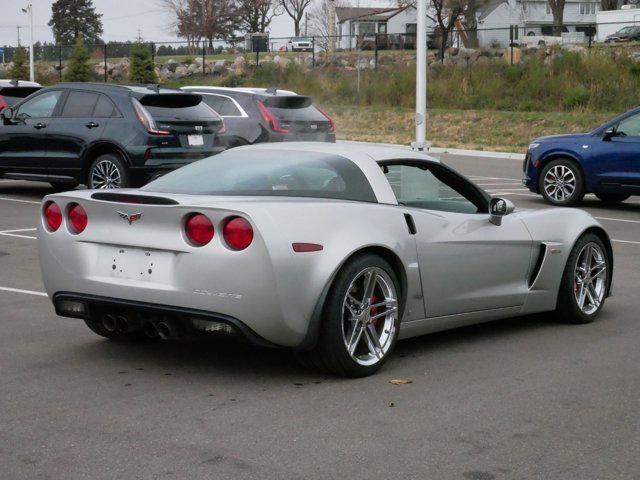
18	27
421	78
29	10
331	7
306	22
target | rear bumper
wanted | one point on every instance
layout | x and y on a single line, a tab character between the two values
171	158
96	306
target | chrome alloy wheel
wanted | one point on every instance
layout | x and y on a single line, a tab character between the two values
560	183
106	175
370	316
590	278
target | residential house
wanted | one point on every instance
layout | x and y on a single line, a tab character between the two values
532	17
355	24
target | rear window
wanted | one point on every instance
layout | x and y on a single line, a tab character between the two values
293	108
222	105
273	173
178	106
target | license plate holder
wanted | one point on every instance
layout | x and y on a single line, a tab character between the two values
132	263
195	140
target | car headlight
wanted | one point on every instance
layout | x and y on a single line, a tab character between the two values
533	145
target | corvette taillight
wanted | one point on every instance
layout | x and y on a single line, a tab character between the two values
146	119
3	103
77	218
52	216
198	229
238	233
270	118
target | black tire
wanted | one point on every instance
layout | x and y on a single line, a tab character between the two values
63	187
576	195
330	353
612	197
567	308
120	168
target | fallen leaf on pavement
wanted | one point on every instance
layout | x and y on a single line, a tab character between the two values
400	381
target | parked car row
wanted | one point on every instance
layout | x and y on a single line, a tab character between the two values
116	136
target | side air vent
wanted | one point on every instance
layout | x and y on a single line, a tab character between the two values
410	224
536	269
132	198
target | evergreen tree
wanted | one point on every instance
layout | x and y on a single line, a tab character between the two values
141	68
72	19
20	69
79	69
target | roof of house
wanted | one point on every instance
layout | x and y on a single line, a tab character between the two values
489	7
366	13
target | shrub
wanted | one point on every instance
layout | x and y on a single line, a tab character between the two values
19	70
79	70
576	97
142	68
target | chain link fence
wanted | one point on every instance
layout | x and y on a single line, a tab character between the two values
205	58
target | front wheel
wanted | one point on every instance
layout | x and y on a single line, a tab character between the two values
585	281
361	319
561	183
612	197
107	172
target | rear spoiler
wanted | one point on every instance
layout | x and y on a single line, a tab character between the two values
170	100
286	101
132	198
19	92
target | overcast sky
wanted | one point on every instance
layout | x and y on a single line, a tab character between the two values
121	20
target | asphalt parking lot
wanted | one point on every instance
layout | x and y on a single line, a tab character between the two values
515	399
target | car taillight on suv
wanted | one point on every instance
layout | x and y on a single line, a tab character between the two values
146	119
3	103
270	118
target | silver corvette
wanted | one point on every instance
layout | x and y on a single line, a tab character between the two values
336	251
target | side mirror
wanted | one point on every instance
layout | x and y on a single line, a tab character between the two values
7	114
498	208
609	133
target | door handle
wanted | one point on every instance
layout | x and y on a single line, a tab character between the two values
92	125
38	126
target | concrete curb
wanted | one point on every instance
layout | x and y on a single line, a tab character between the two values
453	151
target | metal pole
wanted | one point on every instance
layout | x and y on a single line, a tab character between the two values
256	45
421	78
511	42
204	53
32	74
313	52
60	61
375	52
105	63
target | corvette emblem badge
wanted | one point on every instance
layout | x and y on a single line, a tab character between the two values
130	218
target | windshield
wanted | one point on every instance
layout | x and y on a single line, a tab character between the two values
281	173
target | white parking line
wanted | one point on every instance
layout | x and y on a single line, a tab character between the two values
475	177
524	190
19	200
19	290
15	235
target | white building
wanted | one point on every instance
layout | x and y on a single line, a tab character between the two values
358	25
611	21
532	17
397	26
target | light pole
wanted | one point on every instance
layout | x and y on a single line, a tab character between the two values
29	10
421	78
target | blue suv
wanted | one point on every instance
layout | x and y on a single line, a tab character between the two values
606	162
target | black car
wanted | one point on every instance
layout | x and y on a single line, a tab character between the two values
12	91
255	115
105	136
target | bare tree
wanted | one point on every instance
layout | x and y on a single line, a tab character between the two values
198	19
557	10
256	15
608	4
470	11
295	9
446	13
319	19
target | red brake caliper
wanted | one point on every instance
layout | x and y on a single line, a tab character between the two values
374	311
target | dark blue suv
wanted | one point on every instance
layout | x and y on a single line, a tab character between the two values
606	162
